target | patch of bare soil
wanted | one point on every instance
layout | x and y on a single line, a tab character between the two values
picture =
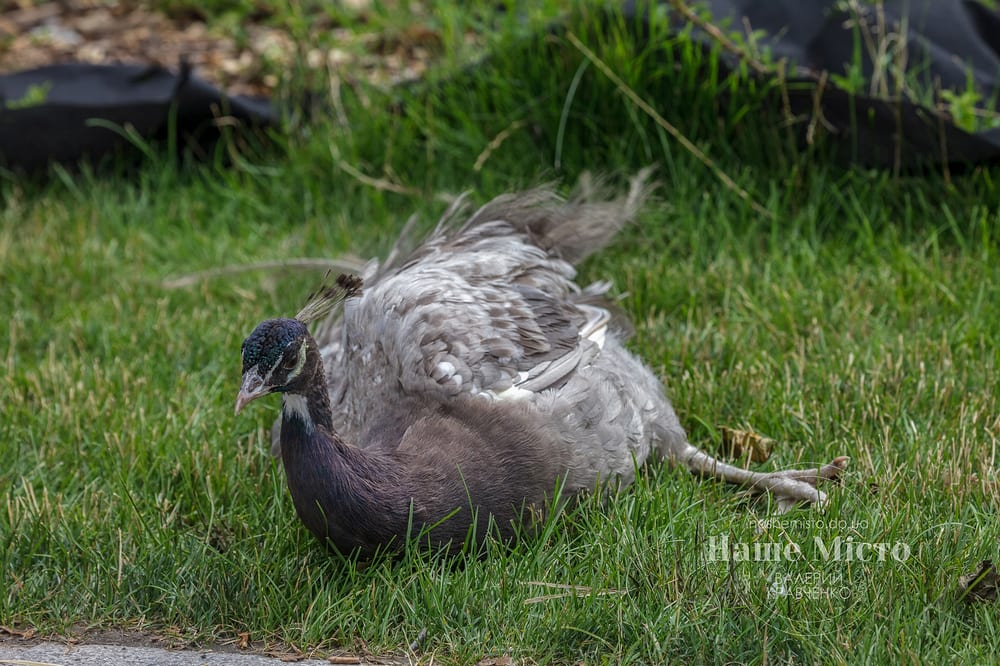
36	33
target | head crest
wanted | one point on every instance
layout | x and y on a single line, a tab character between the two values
322	301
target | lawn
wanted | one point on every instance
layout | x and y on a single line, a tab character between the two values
856	314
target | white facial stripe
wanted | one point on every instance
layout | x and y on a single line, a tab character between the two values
301	363
294	372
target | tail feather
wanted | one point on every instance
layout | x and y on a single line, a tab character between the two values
570	229
586	223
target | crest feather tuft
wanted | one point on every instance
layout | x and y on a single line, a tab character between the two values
328	296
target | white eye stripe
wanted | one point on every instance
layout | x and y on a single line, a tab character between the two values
301	363
294	372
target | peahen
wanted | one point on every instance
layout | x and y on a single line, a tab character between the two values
467	380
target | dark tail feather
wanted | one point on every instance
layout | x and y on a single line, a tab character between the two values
573	229
585	223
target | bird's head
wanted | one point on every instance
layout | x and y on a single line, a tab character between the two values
274	358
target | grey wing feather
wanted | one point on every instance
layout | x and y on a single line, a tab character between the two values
486	307
443	327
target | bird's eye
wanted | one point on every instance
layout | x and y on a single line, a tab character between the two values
290	362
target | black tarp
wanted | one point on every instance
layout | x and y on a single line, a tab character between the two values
949	45
47	115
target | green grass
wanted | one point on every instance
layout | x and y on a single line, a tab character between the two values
860	318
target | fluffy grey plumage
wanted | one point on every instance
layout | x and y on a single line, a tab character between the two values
472	373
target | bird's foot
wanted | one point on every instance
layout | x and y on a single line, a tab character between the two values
788	487
792	487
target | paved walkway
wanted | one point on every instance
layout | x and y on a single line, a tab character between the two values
60	654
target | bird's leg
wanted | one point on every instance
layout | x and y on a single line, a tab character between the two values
788	486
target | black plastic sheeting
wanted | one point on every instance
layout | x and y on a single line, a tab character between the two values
947	41
47	115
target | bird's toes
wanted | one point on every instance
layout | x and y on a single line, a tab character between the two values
828	472
792	488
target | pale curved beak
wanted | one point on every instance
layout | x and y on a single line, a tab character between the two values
253	388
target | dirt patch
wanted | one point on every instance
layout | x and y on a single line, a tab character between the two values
33	34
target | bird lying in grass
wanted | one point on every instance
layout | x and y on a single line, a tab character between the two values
463	382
